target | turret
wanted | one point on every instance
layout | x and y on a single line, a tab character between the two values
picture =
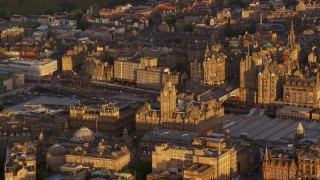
41	137
266	155
207	52
299	132
125	133
292	36
300	129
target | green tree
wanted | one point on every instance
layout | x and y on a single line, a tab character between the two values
252	28
188	27
76	14
150	21
110	60
83	24
1	106
181	68
181	5
67	5
20	2
141	169
95	5
2	161
5	13
171	19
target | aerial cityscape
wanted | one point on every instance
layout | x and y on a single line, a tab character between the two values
160	89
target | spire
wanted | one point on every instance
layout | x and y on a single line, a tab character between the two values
260	18
219	147
207	52
266	155
96	125
291	36
41	137
300	129
125	132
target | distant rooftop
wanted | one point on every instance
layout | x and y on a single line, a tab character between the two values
45	100
27	62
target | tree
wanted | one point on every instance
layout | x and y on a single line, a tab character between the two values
181	5
5	13
67	6
110	60
83	24
2	164
150	21
141	169
171	19
1	107
76	14
20	2
252	28
188	27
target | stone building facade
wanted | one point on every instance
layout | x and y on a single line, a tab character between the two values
207	158
310	8
155	77
263	74
55	157
214	66
74	57
302	92
270	84
115	160
186	115
97	69
308	164
109	119
211	71
22	159
11	35
125	70
276	167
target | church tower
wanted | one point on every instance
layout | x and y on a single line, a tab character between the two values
292	36
168	98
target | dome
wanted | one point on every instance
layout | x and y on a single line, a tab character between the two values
83	134
57	149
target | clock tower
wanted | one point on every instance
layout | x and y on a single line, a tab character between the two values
168	98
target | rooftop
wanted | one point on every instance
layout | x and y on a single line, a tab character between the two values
261	127
296	109
27	62
45	100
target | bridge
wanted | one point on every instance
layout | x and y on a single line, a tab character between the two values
118	87
220	94
234	93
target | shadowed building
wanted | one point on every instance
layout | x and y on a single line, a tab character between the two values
110	119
